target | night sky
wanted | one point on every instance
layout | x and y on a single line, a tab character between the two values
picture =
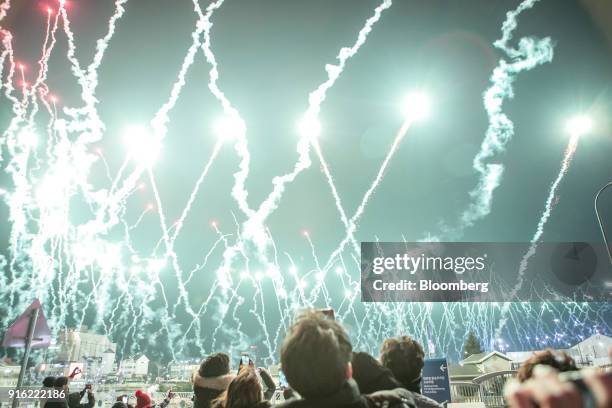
271	54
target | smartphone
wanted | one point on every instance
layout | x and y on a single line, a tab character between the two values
244	362
282	380
124	399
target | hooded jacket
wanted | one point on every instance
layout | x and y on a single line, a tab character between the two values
206	389
349	397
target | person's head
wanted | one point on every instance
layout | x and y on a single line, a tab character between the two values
556	359
244	391
404	356
48	382
215	365
61	383
143	400
316	355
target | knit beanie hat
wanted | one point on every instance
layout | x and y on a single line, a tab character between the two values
142	399
215	365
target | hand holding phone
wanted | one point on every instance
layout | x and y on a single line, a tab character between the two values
75	372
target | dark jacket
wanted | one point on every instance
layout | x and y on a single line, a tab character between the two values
349	397
74	400
269	383
207	389
371	376
56	403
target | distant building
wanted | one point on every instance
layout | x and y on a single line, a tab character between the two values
518	357
134	366
592	351
182	370
8	374
459	373
489	362
479	364
75	345
108	361
62	369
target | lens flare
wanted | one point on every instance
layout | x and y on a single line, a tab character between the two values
579	125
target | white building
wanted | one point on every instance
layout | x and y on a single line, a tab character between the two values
182	370
108	362
592	351
134	366
8	374
75	345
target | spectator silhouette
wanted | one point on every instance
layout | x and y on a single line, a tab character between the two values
316	360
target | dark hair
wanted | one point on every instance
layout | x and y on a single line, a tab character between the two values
404	356
315	354
244	391
559	360
60	382
48	382
215	365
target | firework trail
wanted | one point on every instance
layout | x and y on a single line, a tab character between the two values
530	53
309	129
570	151
59	179
237	125
254	229
69	265
364	201
179	223
5	6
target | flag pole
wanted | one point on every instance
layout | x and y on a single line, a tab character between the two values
26	353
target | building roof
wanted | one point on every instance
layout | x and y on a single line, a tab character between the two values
595	338
480	357
463	372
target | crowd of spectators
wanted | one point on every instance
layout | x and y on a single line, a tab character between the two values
323	371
